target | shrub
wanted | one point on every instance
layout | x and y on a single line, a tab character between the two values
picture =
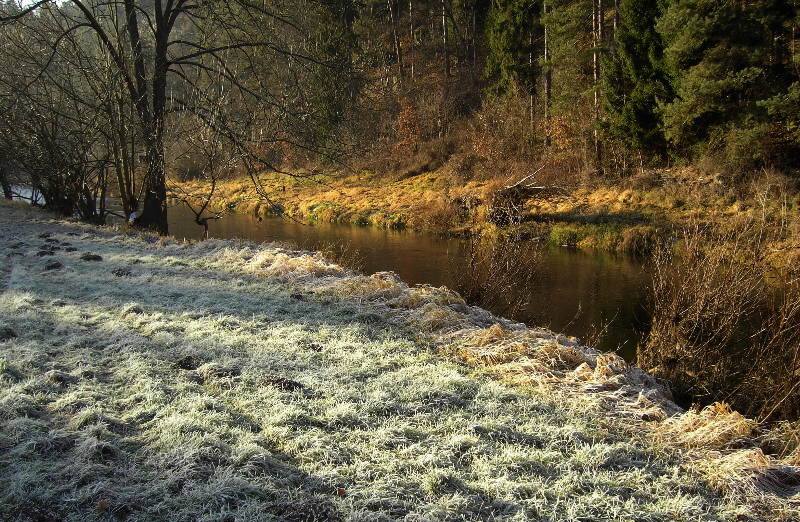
639	240
501	129
495	271
439	215
465	165
565	235
721	330
343	254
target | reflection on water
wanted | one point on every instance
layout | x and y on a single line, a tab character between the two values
573	292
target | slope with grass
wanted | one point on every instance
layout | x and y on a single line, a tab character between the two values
149	379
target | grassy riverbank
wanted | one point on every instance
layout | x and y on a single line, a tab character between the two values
623	216
147	378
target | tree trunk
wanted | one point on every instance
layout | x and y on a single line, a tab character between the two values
548	75
793	51
4	183
103	190
597	29
531	76
411	36
443	110
445	43
474	40
117	142
122	165
154	211
396	37
446	88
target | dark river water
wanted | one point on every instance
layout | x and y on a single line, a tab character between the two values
572	292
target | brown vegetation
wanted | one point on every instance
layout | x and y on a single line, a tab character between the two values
495	269
726	321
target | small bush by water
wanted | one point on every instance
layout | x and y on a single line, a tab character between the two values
496	269
726	323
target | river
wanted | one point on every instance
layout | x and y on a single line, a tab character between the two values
573	292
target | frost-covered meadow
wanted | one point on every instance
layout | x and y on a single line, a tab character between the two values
150	379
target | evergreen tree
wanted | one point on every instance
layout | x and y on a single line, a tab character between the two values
635	82
512	32
571	50
724	65
784	108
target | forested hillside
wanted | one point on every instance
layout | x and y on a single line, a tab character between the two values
580	88
589	87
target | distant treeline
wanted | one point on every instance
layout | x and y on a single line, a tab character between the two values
603	81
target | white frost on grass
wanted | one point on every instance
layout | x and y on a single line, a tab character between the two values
229	381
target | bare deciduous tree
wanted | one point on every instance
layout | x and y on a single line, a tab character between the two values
159	59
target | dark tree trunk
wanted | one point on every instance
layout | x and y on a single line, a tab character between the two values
6	186
123	166
154	211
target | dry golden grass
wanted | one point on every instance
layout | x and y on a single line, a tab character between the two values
714	427
623	215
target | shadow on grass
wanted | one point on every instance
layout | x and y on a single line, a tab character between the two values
79	456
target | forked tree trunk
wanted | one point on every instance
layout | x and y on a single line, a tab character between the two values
154	211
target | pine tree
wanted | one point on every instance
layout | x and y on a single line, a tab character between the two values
724	65
784	108
635	82
512	31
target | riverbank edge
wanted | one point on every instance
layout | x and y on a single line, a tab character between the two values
719	444
628	218
431	203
